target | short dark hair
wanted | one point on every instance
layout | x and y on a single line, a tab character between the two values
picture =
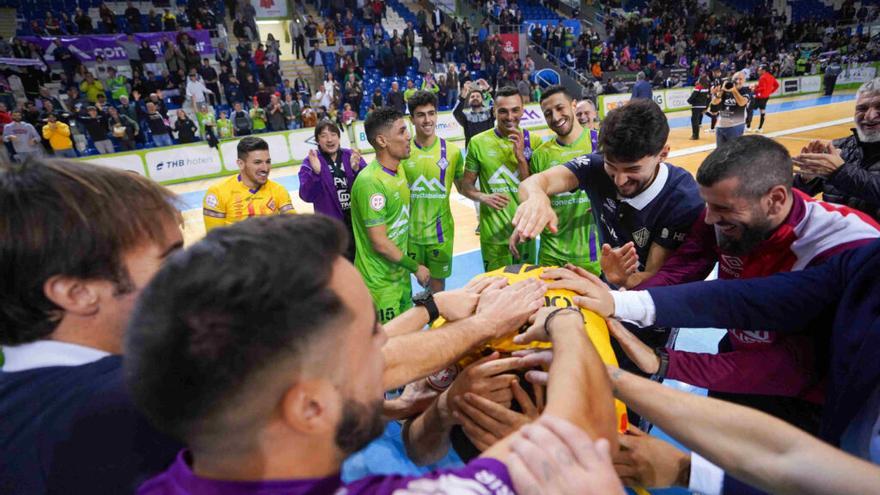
326	124
421	98
633	131
507	91
759	163
74	219
554	89
250	143
189	360
381	119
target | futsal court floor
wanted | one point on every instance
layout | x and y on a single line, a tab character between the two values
792	121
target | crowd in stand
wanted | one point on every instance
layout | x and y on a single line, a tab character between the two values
674	34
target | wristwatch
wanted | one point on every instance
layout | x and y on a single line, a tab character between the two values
663	356
425	299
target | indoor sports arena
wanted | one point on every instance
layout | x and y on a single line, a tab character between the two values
439	246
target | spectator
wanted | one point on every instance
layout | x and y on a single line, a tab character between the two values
207	124
83	22
174	59
185	128
133	18
291	109
158	125
847	170
316	62
395	98
96	128
24	138
258	117
830	77
58	135
276	118
233	92
117	84
127	108
224	126
477	117
309	116
196	92
154	21
642	88
376	101
123	128
241	121
68	60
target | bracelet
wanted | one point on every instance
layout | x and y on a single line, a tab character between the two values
556	312
408	263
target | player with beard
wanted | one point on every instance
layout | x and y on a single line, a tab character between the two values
380	216
847	170
273	389
754	225
589	118
500	157
576	238
434	164
248	194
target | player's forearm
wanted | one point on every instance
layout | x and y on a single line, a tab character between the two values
412	320
534	185
750	445
578	388
387	249
426	437
417	355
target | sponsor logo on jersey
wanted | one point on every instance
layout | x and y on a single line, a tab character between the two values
753	336
641	236
401	224
377	201
211	200
442	379
503	176
610	204
271	204
433	185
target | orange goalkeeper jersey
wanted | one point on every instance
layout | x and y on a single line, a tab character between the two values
232	201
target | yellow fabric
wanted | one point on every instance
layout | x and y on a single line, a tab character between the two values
59	137
595	326
231	201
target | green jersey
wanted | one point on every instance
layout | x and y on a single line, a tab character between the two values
577	237
430	172
224	128
491	157
380	197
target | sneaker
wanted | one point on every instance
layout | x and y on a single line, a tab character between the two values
477	230
711	131
759	130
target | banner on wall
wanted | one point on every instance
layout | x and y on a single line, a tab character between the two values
88	47
678	98
270	8
573	24
509	45
171	164
861	73
130	163
790	86
811	84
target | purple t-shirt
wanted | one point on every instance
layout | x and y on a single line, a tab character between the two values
483	476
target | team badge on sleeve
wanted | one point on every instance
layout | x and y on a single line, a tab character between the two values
211	200
377	201
442	379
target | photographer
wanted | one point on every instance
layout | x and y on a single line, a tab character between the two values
732	99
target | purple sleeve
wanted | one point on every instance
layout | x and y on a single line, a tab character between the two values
481	476
309	183
691	262
779	369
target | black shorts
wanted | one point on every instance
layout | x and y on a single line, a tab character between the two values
761	103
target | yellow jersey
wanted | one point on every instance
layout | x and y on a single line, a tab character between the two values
594	327
232	201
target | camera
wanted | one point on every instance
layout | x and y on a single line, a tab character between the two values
727	85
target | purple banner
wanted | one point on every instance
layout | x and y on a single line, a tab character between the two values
86	48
